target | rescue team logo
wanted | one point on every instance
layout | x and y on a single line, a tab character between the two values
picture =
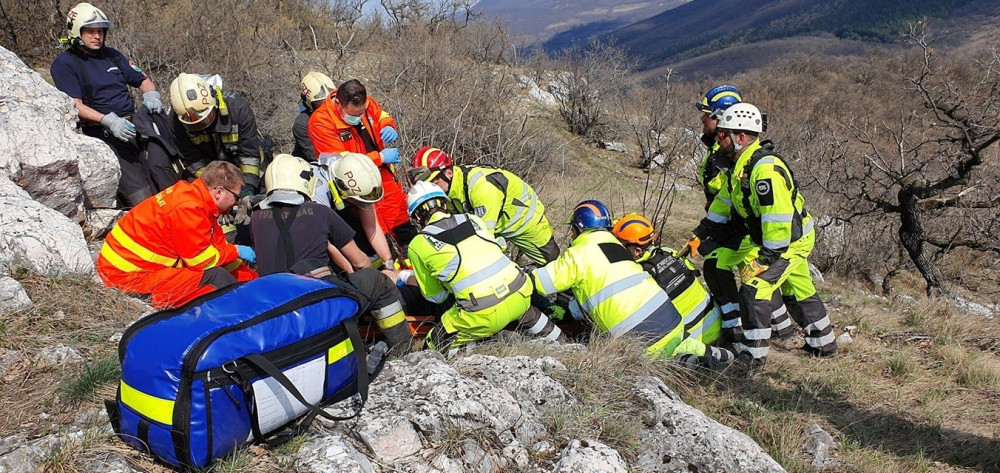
764	195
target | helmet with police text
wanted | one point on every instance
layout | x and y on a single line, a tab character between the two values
719	98
741	117
192	99
634	229
590	214
85	15
315	86
357	178
290	173
424	195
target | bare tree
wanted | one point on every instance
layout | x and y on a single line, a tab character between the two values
431	14
591	78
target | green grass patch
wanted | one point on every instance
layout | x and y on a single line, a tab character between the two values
94	375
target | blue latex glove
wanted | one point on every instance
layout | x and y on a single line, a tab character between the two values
390	155
124	130
246	254
153	101
389	135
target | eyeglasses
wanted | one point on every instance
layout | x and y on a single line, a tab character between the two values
720	135
236	196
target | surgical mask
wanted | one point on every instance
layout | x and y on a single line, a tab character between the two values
736	146
352	120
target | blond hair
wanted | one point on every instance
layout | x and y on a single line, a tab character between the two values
222	173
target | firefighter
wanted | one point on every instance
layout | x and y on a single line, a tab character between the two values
170	246
97	77
350	120
292	233
762	191
617	295
315	88
456	255
210	125
507	204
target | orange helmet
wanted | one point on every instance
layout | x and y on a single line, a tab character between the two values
432	158
634	229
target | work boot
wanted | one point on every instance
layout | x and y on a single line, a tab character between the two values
745	365
815	352
793	341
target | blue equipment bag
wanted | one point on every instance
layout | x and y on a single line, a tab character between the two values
232	366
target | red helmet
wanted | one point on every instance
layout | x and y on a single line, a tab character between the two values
432	158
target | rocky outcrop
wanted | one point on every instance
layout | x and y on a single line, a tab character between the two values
12	295
40	149
36	238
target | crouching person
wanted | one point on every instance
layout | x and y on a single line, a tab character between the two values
171	246
293	234
619	297
457	255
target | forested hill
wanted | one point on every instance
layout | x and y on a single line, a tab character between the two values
706	26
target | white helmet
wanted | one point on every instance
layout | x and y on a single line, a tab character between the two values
316	86
85	15
742	116
290	173
421	193
357	177
191	98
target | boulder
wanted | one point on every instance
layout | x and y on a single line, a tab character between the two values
535	93
589	456
331	453
41	150
12	295
37	238
820	444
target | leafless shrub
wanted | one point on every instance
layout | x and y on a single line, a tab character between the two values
593	78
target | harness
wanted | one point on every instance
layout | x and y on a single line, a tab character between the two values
284	241
753	220
229	139
494	177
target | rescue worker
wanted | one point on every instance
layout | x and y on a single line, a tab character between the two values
457	255
210	125
350	120
763	192
315	88
97	77
170	246
507	204
616	294
292	233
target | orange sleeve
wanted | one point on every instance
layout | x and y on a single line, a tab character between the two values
322	135
382	118
199	240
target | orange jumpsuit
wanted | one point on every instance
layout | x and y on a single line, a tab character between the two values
330	134
165	245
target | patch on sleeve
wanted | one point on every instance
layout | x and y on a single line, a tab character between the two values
135	66
764	194
480	211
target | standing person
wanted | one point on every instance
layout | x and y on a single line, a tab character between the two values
615	293
171	247
456	255
509	206
97	77
315	88
292	233
763	192
350	120
210	125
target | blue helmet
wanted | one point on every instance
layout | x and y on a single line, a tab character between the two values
719	98
590	214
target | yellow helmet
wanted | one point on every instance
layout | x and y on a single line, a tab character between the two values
316	86
357	177
85	15
290	173
191	98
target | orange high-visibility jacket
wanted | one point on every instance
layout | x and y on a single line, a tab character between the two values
177	228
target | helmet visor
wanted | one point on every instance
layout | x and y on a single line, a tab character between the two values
372	196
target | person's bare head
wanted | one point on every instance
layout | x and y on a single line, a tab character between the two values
224	181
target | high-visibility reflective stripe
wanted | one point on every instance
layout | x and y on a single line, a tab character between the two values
710	319
117	261
339	351
779	311
818	325
155	408
232	266
777	244
390	321
728	202
782	324
696	312
539	325
554	334
764	160
438	297
757	334
819	342
640	315
528	218
209	253
249	169
481	275
230	137
777	218
714	217
543	278
730	307
142	252
730	323
449	270
808	227
756	352
610	290
388	310
433	229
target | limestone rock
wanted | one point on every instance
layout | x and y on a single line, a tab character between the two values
38	238
679	437
12	295
41	150
8	359
589	456
58	355
819	444
100	222
615	146
331	453
535	93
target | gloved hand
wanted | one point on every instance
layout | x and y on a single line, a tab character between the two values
246	254
556	312
389	135
390	155
403	276
122	129
153	101
692	246
750	270
243	210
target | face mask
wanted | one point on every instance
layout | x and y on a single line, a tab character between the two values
352	119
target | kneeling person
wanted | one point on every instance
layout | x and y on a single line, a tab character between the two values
291	233
457	255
